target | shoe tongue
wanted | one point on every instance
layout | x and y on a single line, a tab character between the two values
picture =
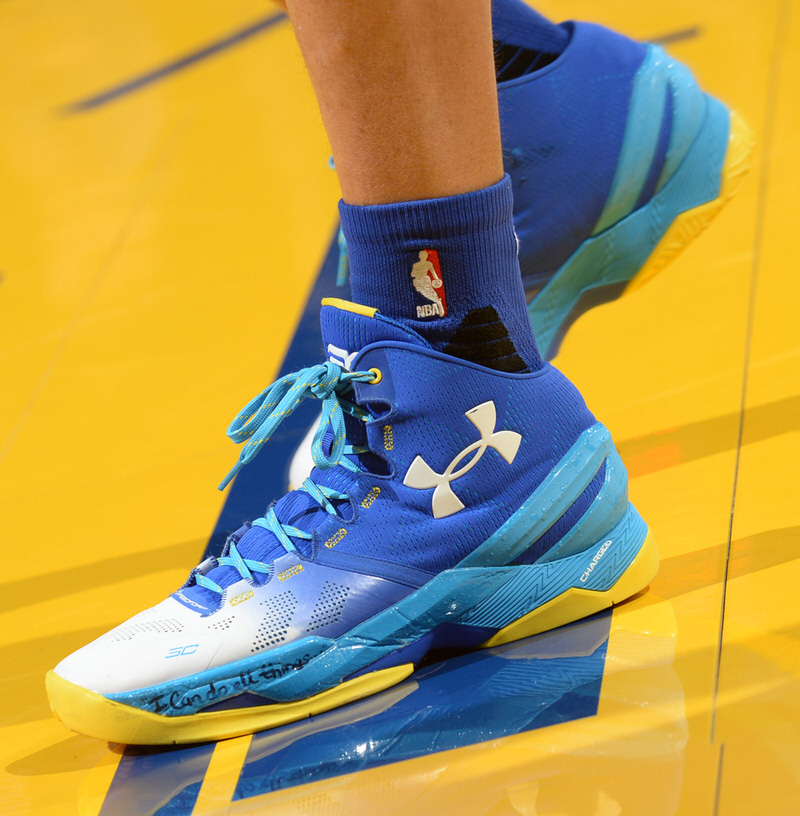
348	327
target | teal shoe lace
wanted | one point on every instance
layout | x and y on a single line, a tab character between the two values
258	420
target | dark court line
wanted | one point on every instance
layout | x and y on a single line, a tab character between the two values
782	19
137	83
718	789
676	36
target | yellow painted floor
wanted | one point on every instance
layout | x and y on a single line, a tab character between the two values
163	218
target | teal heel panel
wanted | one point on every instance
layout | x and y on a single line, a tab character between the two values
532	586
689	108
658	80
645	114
549	502
603	514
608	261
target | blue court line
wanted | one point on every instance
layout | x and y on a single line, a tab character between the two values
157	74
157	781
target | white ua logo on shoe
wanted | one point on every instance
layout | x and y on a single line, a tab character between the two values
423	477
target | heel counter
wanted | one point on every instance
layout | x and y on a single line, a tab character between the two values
689	107
665	114
608	505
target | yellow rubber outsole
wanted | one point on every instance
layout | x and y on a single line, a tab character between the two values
94	715
688	225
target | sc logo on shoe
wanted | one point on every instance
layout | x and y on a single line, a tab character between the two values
180	651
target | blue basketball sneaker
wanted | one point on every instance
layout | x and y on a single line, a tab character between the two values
451	505
617	160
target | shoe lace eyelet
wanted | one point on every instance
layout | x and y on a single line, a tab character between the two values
377	376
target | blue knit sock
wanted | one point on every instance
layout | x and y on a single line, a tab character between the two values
448	269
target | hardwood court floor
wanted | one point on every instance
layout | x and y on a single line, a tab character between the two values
166	215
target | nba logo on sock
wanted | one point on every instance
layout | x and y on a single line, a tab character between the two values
426	276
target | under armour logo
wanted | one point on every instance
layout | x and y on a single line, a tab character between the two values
423	477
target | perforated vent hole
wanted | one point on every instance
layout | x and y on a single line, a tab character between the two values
129	632
329	606
277	617
223	623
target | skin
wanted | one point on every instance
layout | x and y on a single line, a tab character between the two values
407	93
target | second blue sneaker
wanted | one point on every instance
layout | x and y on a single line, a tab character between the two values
451	505
617	160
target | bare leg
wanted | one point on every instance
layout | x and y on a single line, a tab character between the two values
407	94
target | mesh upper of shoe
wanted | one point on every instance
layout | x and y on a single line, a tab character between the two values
171	640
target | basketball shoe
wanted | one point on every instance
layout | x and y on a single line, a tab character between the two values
452	505
617	160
